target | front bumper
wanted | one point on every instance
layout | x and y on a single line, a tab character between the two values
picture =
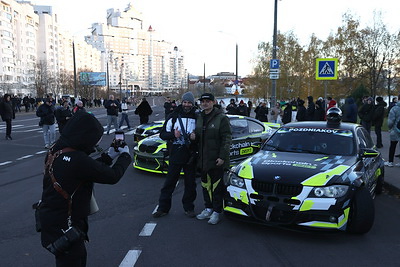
285	210
155	164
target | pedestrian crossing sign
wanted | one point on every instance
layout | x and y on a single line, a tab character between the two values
326	69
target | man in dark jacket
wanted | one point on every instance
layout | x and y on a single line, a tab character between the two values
365	113
144	111
69	166
301	110
262	112
167	107
349	110
310	108
213	135
63	114
287	113
319	113
7	114
242	109
47	122
377	120
112	106
231	108
176	130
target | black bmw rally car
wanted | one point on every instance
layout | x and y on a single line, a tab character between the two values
314	175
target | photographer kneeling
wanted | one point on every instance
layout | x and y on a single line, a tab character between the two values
68	184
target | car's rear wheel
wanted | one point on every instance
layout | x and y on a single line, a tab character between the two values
362	212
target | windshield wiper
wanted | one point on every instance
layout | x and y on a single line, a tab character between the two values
276	148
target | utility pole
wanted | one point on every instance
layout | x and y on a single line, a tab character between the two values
73	55
274	48
204	80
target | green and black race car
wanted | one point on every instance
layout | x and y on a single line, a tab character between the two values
147	129
247	137
314	175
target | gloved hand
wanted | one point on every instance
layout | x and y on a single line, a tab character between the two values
112	153
123	149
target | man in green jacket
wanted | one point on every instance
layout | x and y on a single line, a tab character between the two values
213	134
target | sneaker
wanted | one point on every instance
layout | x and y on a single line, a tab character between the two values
47	146
397	164
388	164
159	214
214	219
190	213
205	214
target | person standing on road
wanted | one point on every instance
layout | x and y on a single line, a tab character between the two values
68	180
365	113
213	135
124	115
112	106
350	110
377	120
310	108
7	114
167	107
47	122
176	130
63	114
144	111
262	112
79	107
394	130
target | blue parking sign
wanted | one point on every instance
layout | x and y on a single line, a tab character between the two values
274	64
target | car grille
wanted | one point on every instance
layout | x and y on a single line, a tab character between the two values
139	131
147	149
150	163
276	189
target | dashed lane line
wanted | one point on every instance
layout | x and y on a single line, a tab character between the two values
148	229
24	157
5	163
130	258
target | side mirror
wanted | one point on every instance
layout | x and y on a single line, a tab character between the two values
369	153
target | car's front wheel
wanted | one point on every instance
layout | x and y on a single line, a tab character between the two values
362	212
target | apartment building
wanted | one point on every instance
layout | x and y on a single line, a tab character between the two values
135	56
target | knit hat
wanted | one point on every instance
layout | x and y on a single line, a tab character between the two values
379	99
188	96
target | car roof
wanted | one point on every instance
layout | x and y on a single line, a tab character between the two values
323	124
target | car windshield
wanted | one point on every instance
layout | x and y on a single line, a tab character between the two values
312	140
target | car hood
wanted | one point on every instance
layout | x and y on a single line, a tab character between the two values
298	168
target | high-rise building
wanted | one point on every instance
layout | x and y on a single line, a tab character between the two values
135	56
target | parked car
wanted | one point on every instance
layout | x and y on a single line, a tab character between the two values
247	136
312	175
147	129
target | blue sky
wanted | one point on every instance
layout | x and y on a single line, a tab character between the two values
208	30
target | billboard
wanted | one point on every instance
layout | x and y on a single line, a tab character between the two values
93	78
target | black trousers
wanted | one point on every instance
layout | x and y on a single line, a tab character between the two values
8	126
189	195
378	132
392	150
213	189
144	119
76	256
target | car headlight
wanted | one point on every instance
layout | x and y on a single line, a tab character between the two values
235	180
331	191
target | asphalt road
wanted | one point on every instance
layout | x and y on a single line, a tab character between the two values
125	229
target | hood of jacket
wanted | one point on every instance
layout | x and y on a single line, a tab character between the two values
82	132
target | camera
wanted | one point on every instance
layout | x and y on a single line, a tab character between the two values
119	140
64	243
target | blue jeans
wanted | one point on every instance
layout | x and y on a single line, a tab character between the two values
112	119
124	117
49	134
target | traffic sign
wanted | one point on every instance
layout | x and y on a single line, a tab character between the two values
326	69
273	70
274	76
274	64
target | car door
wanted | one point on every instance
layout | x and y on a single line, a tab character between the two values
245	133
371	164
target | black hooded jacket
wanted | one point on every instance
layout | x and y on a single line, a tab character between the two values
76	170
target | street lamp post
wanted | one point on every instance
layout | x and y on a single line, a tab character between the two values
204	81
73	56
274	48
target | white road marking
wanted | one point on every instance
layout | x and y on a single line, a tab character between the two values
148	229
25	157
130	258
5	163
154	211
41	152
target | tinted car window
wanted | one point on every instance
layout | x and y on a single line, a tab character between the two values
239	127
364	138
312	140
255	127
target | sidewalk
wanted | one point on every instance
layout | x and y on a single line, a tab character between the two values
392	174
